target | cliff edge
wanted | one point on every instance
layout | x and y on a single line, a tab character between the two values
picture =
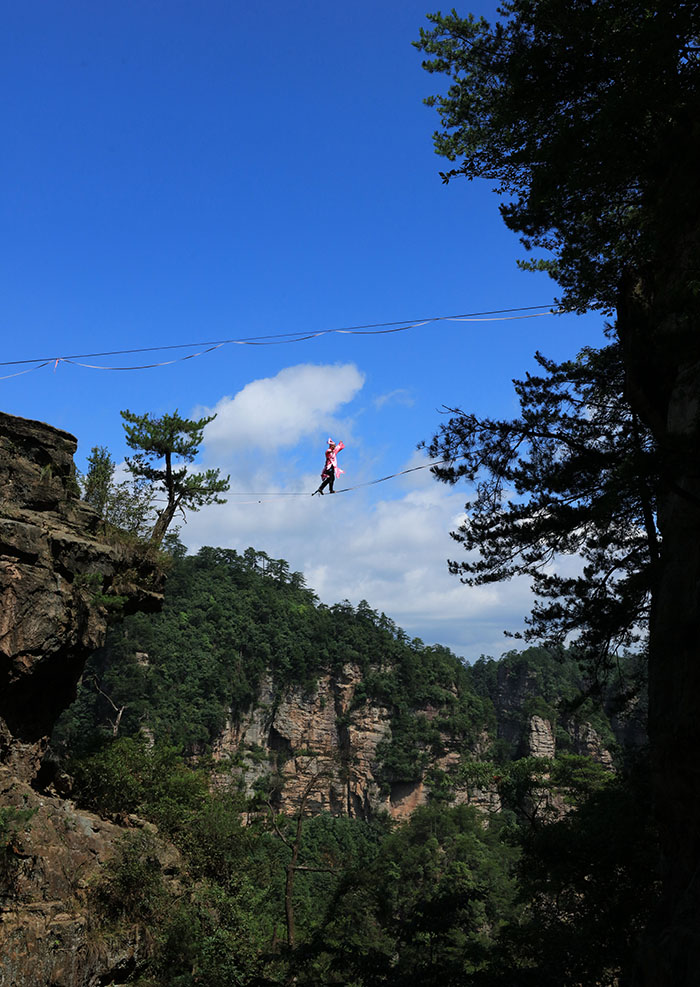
59	573
62	574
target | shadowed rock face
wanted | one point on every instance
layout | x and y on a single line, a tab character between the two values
57	571
49	930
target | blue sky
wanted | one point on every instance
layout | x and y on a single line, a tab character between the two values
181	172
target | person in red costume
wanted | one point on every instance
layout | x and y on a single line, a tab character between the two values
331	468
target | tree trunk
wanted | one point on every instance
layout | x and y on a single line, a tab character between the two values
659	328
289	903
168	512
162	524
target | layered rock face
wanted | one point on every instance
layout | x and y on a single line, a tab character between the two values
539	739
324	750
57	574
309	740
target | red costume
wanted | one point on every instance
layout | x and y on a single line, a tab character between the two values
331	468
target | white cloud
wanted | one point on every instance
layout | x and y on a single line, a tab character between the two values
400	396
278	411
386	543
390	552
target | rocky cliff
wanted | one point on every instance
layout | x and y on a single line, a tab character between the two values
533	734
325	740
50	864
60	577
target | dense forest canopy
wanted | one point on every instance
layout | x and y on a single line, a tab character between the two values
230	618
441	899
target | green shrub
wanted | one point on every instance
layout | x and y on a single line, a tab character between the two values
132	888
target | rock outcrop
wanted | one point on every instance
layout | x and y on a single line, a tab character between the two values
322	747
61	575
325	742
58	576
534	735
325	746
49	930
540	738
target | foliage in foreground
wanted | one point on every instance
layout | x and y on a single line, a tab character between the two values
567	485
445	898
230	619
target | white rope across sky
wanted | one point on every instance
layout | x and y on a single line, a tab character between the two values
378	329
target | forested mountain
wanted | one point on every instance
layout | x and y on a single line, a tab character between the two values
245	665
352	806
229	620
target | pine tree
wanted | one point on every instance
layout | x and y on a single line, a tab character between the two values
584	115
575	475
164	441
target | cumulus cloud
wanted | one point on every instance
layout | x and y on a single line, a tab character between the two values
277	412
391	552
387	543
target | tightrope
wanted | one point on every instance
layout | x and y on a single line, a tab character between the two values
20	372
306	493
